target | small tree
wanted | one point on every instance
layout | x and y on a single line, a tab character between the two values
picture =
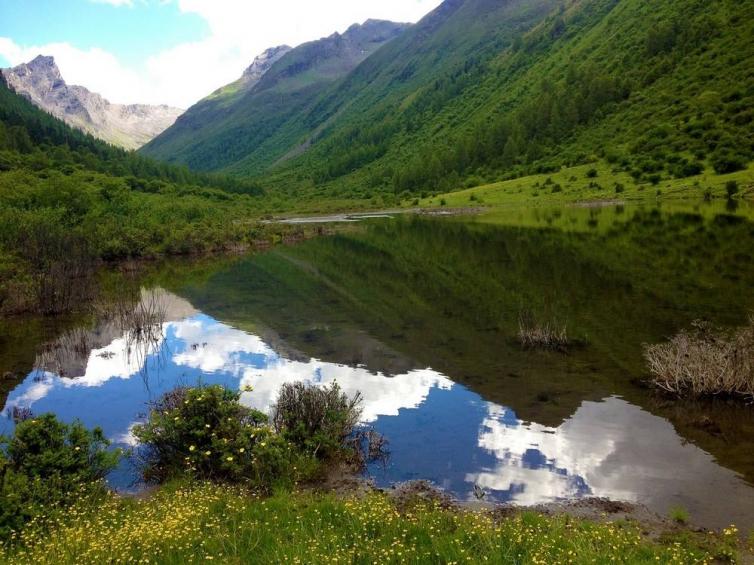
731	188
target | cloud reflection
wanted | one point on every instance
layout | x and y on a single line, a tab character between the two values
215	347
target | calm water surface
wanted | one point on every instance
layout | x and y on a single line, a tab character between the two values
420	316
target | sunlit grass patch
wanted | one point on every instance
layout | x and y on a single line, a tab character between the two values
594	182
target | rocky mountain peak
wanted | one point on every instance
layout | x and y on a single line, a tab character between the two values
41	82
263	62
41	69
43	62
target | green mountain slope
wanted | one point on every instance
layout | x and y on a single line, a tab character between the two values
234	122
482	90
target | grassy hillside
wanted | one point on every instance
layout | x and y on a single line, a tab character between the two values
481	91
233	124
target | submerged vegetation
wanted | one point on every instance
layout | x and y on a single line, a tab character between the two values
705	361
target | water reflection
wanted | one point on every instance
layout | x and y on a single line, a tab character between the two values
438	430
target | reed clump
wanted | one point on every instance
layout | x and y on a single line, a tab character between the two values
705	361
534	334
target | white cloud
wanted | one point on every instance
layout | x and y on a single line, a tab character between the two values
238	31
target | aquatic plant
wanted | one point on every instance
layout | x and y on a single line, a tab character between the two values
705	361
533	334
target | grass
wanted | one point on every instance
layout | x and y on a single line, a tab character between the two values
679	515
705	361
210	523
576	185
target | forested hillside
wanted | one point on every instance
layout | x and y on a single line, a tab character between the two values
481	90
236	122
67	200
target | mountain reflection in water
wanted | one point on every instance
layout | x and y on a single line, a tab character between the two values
437	429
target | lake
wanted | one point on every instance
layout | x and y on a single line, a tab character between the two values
421	316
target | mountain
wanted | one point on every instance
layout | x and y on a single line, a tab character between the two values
482	90
129	126
233	122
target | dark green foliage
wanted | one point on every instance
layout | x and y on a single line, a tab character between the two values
206	433
318	420
45	447
46	465
731	188
726	161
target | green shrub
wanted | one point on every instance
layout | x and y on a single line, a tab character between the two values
318	420
45	447
47	465
206	433
725	161
683	168
731	188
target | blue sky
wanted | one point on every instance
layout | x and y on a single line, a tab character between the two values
173	51
133	33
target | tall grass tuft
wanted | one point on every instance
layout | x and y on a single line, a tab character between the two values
705	361
533	334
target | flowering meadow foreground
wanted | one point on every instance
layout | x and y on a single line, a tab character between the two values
205	522
234	486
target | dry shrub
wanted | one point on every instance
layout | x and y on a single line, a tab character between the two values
533	334
318	419
705	361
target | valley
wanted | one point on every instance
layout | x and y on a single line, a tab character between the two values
473	286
